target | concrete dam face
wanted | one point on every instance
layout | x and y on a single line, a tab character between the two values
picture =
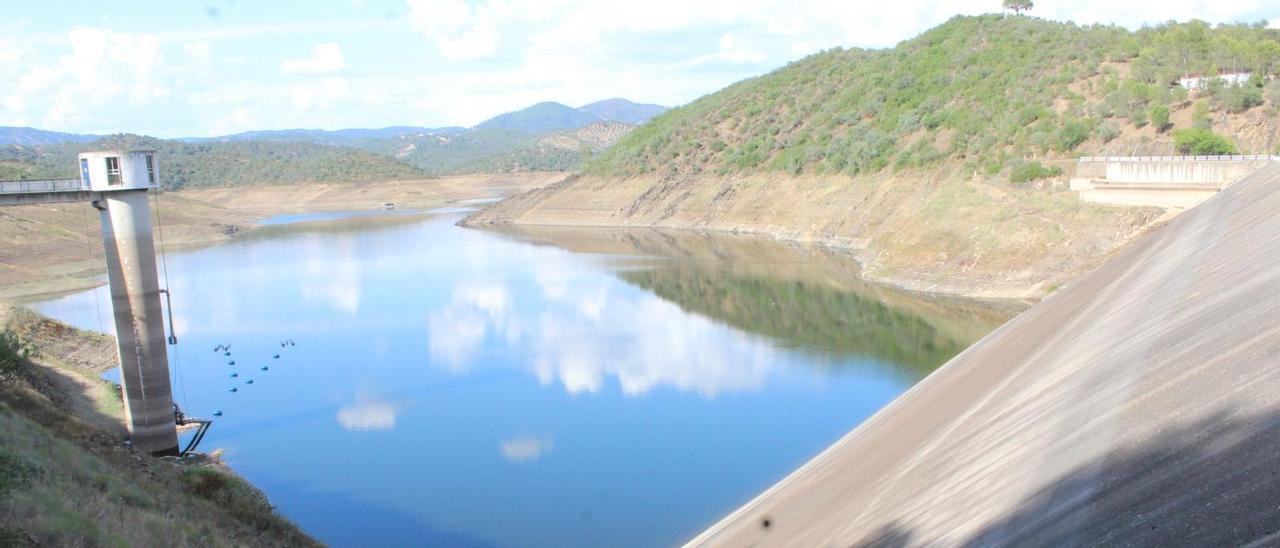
1138	405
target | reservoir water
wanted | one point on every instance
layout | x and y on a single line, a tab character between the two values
549	387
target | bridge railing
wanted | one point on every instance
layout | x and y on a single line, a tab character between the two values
48	185
1230	158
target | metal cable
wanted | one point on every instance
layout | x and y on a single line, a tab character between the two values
164	266
93	269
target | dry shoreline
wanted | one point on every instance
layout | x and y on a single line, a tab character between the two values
49	250
935	233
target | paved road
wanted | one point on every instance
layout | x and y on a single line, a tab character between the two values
1138	406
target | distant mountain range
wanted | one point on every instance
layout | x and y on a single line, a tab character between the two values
622	110
29	136
544	136
339	137
552	116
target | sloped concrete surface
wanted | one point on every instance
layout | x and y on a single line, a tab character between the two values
1139	405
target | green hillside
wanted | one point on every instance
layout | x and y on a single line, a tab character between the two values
986	91
217	163
478	151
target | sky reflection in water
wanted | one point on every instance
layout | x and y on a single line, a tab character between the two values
458	387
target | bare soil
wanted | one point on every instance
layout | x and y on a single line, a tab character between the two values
57	248
934	231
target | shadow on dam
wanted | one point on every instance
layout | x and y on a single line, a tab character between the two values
1214	482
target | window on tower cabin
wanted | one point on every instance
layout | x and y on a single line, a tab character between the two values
113	170
151	169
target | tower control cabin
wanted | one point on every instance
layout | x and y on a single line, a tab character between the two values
111	171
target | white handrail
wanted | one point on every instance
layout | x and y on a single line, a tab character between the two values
1225	158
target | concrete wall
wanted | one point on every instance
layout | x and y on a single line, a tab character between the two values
1180	172
1137	405
1159	181
1147	197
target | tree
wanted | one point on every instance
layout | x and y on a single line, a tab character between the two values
1018	6
1160	117
14	355
1202	142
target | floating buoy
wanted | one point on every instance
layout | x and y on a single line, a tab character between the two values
276	356
264	368
234	389
217	413
234	375
250	381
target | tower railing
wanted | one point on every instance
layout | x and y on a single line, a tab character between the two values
45	185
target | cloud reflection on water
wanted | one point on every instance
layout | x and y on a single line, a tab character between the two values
368	413
523	449
578	330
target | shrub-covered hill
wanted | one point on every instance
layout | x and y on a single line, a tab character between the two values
986	91
185	164
504	150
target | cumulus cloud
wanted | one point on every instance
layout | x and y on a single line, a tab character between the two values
325	58
101	66
731	51
460	30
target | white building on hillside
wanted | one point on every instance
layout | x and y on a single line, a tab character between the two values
1194	81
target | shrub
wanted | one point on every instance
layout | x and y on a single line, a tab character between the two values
15	356
1071	135
1202	142
15	472
1139	118
1240	98
1160	118
1108	131
1200	116
1273	93
1031	171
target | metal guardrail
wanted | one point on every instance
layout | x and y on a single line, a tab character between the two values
1232	158
29	187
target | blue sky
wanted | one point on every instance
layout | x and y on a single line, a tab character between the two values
221	66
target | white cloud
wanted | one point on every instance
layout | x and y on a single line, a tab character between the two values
325	59
731	51
459	30
525	448
102	67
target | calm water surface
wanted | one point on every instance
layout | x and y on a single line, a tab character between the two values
457	387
